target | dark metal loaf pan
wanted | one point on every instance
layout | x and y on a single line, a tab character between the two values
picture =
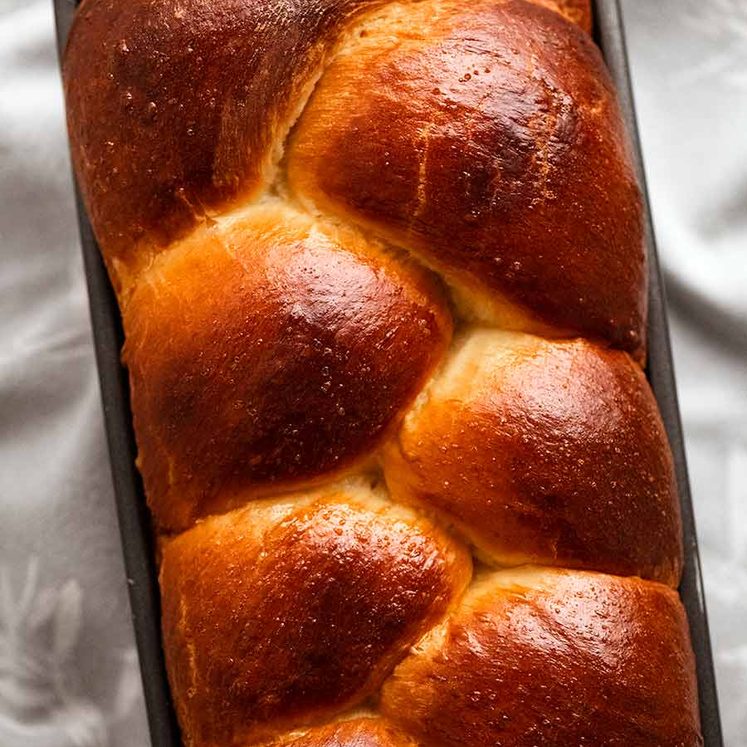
134	521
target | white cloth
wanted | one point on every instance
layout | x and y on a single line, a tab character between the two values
689	65
68	671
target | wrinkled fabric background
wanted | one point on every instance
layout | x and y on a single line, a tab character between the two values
68	669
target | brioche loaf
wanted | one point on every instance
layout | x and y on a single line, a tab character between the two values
382	279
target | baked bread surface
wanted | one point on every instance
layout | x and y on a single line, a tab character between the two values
383	286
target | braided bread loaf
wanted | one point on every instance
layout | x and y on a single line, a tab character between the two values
382	279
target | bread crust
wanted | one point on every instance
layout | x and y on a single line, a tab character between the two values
539	657
288	612
262	357
544	451
486	138
382	251
356	732
177	108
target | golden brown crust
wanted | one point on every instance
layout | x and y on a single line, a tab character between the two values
487	138
286	613
577	11
270	351
180	108
275	347
544	451
358	732
175	107
553	658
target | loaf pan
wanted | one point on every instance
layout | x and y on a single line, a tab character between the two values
134	520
